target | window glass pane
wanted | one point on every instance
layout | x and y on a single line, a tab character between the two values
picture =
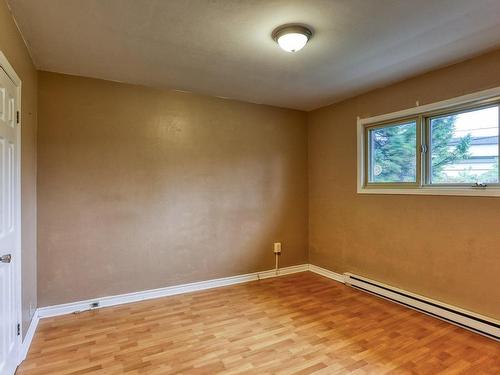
392	153
464	147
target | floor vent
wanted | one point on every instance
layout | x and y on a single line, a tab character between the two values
480	324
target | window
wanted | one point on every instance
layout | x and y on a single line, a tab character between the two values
393	153
464	147
433	149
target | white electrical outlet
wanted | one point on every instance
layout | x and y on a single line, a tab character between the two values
277	247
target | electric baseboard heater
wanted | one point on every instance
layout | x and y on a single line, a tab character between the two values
466	319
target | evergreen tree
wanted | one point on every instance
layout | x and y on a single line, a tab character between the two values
394	150
394	157
443	154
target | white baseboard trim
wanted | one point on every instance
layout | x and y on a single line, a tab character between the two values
283	271
481	324
29	337
327	273
68	308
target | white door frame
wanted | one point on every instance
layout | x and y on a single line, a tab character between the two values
5	65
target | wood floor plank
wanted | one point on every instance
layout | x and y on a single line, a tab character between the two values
296	324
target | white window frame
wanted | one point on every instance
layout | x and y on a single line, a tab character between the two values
362	123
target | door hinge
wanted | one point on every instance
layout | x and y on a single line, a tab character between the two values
18	329
17	117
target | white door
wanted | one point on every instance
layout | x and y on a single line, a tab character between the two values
9	196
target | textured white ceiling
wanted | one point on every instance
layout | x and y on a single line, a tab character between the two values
224	48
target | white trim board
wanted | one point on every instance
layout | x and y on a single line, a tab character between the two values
327	273
68	308
4	63
29	337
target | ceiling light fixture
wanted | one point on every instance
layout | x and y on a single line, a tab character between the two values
292	38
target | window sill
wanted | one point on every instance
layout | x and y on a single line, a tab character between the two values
458	191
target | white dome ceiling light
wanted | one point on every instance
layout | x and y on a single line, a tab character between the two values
292	38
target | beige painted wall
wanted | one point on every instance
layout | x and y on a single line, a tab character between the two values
447	248
140	188
13	47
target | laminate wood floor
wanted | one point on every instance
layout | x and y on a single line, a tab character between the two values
297	324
